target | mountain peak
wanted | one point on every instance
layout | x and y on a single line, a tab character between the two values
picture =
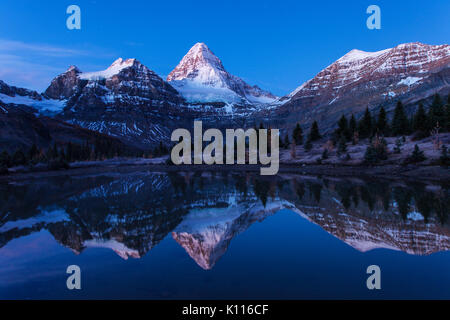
200	65
200	76
201	51
406	72
112	70
73	69
199	46
356	55
121	63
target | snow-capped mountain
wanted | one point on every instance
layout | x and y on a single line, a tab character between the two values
25	119
409	72
201	77
124	81
205	233
127	100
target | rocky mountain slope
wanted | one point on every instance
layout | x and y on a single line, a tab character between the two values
408	72
130	102
20	128
127	100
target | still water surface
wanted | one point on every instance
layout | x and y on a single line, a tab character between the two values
223	235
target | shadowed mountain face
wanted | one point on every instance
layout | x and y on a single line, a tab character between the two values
20	128
131	213
126	100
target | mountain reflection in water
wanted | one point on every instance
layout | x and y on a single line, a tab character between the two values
203	211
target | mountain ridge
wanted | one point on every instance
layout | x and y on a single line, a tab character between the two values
129	101
408	72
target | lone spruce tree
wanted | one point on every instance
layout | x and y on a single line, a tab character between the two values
416	156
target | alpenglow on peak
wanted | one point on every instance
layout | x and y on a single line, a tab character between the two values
201	77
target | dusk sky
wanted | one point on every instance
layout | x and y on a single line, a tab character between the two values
275	44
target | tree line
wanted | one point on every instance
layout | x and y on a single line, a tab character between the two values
59	155
375	127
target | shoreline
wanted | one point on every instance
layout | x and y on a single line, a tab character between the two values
387	171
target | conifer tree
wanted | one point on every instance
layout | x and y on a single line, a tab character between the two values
314	133
342	146
297	135
416	156
382	124
436	113
70	152
286	141
33	152
308	145
352	125
53	151
343	128
420	122
444	158
365	125
400	124
5	159
447	114
376	151
19	158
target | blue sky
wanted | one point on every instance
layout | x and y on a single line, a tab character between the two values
275	44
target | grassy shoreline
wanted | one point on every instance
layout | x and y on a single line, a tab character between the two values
387	171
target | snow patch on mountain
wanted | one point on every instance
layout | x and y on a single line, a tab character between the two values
403	65
357	55
43	106
409	81
111	71
45	217
122	250
194	91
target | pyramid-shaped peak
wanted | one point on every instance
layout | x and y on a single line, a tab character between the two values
200	45
200	53
199	61
199	48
